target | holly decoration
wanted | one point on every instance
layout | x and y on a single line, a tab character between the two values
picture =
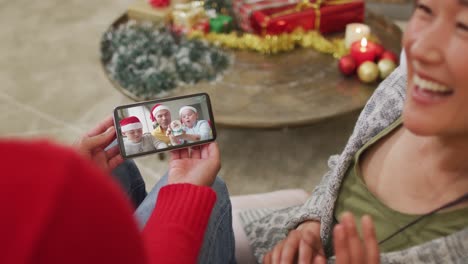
148	59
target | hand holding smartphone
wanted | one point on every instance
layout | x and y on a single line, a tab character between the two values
165	124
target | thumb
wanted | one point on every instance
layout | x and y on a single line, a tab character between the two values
101	140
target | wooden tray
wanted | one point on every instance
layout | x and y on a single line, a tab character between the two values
288	89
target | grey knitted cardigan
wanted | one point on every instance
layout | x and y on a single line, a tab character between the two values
266	227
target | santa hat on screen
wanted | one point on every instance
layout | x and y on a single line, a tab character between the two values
183	108
130	123
156	108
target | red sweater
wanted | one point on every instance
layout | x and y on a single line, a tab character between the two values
57	207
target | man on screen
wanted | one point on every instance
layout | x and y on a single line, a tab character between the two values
162	116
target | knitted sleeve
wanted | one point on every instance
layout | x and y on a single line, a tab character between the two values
175	230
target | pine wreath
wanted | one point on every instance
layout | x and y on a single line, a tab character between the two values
148	59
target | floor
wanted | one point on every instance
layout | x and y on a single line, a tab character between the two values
52	86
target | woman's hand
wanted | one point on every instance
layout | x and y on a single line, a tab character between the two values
198	165
349	248
92	145
302	245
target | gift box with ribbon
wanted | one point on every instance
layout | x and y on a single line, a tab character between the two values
243	10
186	16
326	16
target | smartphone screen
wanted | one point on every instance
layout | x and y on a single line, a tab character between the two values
164	124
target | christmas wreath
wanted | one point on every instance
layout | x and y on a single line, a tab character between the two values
149	59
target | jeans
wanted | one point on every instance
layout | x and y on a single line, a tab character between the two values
218	243
129	177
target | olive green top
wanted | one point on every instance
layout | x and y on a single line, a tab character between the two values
357	199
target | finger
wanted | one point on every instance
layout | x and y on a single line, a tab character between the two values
354	242
319	260
306	252
210	150
291	247
340	244
184	153
99	141
115	161
112	152
267	258
370	240
276	254
101	127
175	154
195	152
310	244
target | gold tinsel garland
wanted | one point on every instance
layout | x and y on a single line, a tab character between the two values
272	44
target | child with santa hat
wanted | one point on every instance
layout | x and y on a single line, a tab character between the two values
136	141
195	130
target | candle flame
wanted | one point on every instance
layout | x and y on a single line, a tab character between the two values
364	42
358	30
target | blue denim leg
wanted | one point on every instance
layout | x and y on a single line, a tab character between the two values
129	177
218	243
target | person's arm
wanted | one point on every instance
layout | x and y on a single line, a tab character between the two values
174	233
204	132
158	144
191	137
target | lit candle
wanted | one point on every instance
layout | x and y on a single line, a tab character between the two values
355	32
361	52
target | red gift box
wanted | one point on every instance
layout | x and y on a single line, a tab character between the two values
326	16
243	9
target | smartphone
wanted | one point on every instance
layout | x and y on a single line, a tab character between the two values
164	124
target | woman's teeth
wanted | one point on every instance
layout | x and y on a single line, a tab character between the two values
430	85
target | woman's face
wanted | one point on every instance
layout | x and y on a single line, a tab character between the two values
436	45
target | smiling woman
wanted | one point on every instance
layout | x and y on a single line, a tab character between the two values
435	44
405	165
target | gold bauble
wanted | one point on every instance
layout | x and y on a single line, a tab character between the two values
386	67
368	72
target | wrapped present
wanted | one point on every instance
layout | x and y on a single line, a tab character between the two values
142	10
221	24
203	26
326	16
187	15
243	9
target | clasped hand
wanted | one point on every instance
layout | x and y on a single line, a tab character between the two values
303	245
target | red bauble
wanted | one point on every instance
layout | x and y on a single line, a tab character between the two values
347	65
390	56
378	49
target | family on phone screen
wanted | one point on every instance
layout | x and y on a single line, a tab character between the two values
168	132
